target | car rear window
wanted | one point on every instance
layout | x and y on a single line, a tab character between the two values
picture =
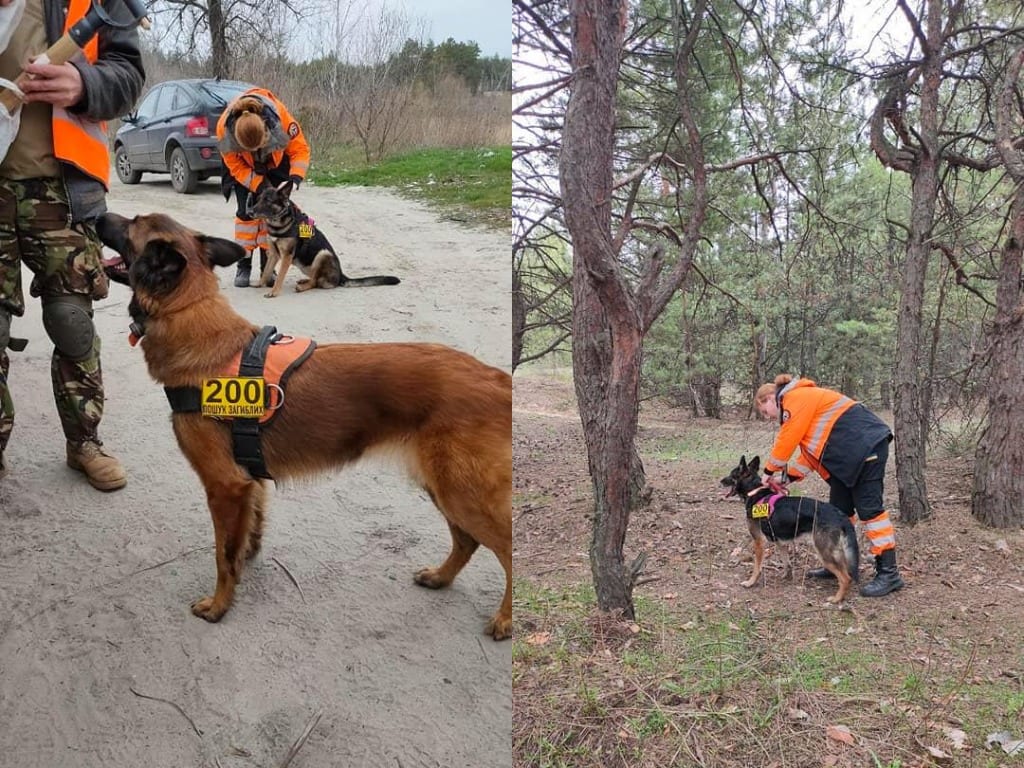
222	93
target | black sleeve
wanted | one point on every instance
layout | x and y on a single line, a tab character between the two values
113	83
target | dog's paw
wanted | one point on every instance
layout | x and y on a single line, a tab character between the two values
205	608
269	295
430	577
499	627
749	583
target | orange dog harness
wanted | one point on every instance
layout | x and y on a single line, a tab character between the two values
270	356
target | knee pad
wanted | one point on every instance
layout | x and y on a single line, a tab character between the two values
68	323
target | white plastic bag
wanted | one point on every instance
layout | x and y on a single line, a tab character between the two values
9	121
10	17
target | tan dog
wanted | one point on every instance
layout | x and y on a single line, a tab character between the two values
444	413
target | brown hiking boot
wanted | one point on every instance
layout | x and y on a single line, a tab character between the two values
102	470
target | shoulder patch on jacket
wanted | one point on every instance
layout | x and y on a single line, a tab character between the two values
293	129
785	416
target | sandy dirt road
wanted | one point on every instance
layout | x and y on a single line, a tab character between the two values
101	661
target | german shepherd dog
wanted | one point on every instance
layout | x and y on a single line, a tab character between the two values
788	517
443	413
294	238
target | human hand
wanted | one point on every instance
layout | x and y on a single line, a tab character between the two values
767	478
6	2
56	84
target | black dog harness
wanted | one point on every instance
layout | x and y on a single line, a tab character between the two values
253	362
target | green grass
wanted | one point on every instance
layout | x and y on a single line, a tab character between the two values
589	695
471	185
695	445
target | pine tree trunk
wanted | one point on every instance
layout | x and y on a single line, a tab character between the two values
997	499
518	317
910	416
910	445
607	417
998	496
606	326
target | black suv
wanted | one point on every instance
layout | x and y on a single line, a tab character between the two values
174	130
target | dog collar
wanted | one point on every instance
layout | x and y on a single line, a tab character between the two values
135	333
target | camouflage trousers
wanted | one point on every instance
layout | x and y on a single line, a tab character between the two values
64	260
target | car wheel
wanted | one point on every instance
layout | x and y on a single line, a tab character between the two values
183	178
123	166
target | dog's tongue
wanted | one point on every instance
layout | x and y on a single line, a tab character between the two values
115	264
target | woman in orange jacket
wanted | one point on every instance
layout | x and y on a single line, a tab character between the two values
848	446
260	143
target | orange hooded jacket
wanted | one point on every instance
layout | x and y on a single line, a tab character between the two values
808	413
286	138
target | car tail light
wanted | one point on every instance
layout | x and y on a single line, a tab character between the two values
197	126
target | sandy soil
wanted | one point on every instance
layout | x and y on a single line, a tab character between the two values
101	661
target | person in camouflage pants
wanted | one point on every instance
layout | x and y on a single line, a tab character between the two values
65	261
54	176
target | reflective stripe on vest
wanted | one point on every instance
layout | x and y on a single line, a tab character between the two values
77	140
880	533
802	469
816	443
250	233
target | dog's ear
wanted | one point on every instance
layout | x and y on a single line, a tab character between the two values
755	464
285	189
221	252
743	463
159	267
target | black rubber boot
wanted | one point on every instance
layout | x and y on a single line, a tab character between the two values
243	272
887	578
821	573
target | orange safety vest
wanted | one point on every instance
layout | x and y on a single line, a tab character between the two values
77	139
809	414
241	164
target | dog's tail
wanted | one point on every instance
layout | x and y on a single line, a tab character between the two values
357	282
852	550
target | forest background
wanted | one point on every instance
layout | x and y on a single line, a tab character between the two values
705	195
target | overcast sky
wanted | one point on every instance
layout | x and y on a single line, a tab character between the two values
488	23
